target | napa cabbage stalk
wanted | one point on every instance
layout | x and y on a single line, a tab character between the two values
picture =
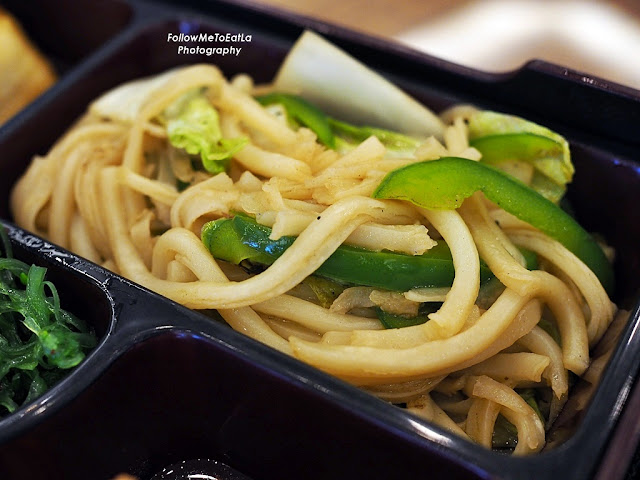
344	88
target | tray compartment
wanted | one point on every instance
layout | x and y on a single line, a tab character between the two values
188	396
80	293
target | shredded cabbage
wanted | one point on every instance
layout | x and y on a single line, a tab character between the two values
193	124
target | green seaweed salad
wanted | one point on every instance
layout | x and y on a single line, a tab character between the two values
39	341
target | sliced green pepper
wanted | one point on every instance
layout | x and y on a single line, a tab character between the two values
392	320
505	435
333	133
446	182
304	112
529	396
500	137
499	148
325	290
542	152
352	134
242	238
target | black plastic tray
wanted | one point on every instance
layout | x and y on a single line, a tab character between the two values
166	384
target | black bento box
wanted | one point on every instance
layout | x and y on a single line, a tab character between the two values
166	384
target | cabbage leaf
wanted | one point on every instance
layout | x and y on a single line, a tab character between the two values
193	124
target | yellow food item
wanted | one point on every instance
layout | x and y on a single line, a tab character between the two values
24	72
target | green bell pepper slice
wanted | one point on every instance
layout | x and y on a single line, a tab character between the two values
542	152
303	112
333	133
241	238
500	147
351	136
446	182
500	137
392	320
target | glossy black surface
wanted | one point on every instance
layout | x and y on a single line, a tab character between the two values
167	385
199	468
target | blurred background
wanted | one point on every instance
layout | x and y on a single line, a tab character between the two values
601	38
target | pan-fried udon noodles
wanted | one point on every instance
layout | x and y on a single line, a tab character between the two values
493	355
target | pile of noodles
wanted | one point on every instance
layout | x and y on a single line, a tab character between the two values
107	191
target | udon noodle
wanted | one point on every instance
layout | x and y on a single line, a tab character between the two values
107	191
